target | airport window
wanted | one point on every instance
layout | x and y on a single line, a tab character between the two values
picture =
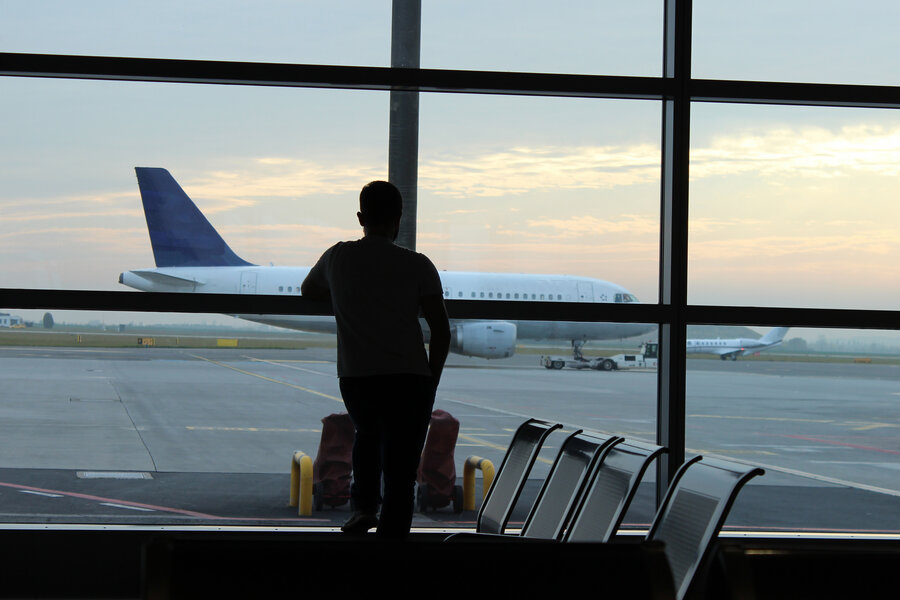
815	233
311	32
791	188
834	46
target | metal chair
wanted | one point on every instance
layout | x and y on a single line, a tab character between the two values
512	474
693	512
610	491
562	490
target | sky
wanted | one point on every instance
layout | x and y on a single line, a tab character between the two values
790	206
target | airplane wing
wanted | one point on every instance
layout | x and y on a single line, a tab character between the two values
166	279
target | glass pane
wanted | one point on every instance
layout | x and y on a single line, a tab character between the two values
792	40
194	419
604	38
311	32
262	164
819	412
794	206
541	185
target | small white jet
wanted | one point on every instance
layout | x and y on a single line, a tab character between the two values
192	257
738	346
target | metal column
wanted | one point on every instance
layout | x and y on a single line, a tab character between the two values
676	122
403	150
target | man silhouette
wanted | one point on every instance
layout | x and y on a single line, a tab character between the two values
387	379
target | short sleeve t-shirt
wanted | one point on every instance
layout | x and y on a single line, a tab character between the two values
376	287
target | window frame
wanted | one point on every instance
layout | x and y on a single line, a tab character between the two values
675	91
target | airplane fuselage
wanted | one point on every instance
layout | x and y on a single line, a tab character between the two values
728	348
458	285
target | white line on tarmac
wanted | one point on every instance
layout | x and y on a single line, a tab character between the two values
114	505
41	494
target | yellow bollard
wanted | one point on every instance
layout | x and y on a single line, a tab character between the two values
302	483
487	478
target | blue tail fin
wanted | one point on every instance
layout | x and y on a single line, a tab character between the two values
179	233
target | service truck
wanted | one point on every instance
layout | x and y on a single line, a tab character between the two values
647	358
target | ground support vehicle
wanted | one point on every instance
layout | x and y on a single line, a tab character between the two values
647	358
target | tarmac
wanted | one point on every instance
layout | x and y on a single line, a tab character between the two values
169	437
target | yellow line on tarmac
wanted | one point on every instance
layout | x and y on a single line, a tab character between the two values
744	418
282	364
474	441
869	426
855	425
298	387
264	429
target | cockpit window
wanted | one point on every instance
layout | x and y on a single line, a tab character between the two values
626	298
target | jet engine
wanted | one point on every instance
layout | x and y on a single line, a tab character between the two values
495	339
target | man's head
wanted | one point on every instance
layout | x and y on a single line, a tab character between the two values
380	208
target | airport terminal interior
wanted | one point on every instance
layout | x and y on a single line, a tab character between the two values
667	236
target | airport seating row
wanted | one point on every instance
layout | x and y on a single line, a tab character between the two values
590	486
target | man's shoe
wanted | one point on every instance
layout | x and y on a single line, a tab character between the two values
360	522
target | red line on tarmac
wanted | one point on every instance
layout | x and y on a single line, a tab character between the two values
189	513
833	443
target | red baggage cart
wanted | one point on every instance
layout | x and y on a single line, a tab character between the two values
437	469
333	466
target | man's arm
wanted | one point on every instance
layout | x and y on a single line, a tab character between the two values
435	314
315	286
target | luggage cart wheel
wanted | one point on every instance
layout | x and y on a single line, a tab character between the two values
422	497
457	499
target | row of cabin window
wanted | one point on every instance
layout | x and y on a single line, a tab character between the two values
290	288
509	296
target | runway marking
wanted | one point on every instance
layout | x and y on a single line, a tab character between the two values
874	426
475	442
46	494
745	418
281	364
730	451
481	443
101	499
298	387
263	429
114	505
834	443
825	479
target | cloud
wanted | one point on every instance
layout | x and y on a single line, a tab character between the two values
589	225
808	151
273	177
522	169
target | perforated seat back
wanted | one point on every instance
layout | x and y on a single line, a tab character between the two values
512	474
610	491
564	485
693	512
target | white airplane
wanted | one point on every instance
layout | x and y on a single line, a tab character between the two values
738	346
192	257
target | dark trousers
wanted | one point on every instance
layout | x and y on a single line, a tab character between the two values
390	414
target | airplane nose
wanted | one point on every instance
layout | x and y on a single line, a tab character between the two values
120	277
